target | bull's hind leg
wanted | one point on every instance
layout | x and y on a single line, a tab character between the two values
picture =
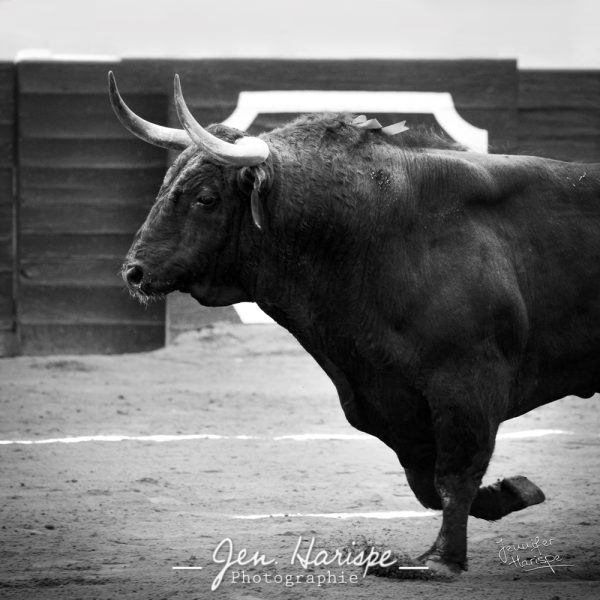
495	501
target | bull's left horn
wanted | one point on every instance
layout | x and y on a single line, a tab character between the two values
246	151
165	137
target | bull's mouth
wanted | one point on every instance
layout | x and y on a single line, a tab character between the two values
151	291
146	287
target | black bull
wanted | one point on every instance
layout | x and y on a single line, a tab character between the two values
442	291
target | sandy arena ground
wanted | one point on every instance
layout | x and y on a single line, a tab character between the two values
110	519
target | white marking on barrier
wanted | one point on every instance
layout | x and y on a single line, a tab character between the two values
300	437
396	514
439	104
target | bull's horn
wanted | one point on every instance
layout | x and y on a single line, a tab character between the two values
247	151
165	137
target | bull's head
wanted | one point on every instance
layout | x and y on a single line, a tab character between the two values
190	240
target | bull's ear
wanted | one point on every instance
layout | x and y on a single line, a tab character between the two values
251	181
255	203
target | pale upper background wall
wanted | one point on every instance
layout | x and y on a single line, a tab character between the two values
538	33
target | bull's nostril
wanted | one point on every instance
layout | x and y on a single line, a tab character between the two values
134	275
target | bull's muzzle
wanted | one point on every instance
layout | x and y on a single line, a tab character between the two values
144	283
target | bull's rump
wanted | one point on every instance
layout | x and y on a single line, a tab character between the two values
554	235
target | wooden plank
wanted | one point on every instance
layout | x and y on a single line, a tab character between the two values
86	187
6	210
7	77
566	123
68	304
126	186
7	146
80	218
474	83
134	76
6	312
5	287
7	107
8	338
7	305
6	185
77	153
6	205
98	246
9	345
6	251
90	338
58	116
7	92
559	114
7	114
561	133
559	89
89	271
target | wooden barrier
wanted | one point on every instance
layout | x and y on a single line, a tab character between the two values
85	184
559	114
85	187
8	338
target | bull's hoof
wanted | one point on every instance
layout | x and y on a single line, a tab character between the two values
525	492
437	567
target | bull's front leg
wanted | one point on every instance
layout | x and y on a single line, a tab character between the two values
448	555
465	414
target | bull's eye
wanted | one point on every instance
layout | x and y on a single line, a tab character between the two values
205	201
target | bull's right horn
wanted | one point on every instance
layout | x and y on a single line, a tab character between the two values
246	151
165	137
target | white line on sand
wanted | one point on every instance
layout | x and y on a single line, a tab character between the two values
396	514
132	438
301	437
305	437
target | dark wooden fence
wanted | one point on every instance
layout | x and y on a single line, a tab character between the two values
85	187
83	184
559	114
8	323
